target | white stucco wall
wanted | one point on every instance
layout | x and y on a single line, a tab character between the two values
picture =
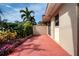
54	31
57	34
52	28
68	28
38	29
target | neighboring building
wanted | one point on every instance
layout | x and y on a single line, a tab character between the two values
64	22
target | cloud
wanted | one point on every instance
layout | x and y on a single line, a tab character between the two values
13	16
18	9
9	6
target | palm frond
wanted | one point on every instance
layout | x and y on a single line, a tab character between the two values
24	19
22	11
26	9
31	11
23	15
26	14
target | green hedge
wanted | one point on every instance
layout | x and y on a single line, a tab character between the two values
24	29
28	28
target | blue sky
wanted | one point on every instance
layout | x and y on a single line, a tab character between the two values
11	10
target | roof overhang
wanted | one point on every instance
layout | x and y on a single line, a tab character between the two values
52	10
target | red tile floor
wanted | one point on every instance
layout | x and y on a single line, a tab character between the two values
41	45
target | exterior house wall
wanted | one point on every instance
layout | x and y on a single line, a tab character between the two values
54	30
68	28
57	34
78	29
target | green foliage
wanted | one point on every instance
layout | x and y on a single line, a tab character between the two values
19	30
11	31
24	29
15	30
32	19
11	35
2	36
7	35
12	26
26	14
28	28
8	26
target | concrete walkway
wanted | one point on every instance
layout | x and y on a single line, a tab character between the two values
41	45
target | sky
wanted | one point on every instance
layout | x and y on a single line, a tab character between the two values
11	11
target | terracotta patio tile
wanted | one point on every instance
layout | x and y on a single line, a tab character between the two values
41	45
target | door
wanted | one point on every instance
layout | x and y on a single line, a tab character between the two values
57	27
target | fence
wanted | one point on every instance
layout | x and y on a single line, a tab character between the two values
40	29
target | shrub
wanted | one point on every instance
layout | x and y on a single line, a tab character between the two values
11	35
24	29
19	30
5	49
7	35
2	36
27	28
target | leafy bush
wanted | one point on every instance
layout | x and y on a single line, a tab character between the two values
5	49
28	28
24	29
7	35
2	36
11	35
19	30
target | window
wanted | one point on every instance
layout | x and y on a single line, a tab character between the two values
57	20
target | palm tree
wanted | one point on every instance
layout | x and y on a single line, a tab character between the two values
32	19
26	14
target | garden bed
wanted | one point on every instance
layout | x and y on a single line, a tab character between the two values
8	48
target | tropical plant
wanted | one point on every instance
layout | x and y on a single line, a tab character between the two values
32	19
2	36
19	30
7	35
24	29
26	14
11	35
28	28
12	26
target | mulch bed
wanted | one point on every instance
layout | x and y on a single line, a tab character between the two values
8	48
